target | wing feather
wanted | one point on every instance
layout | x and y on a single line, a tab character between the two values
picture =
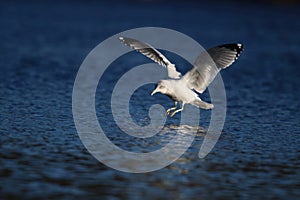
153	54
209	63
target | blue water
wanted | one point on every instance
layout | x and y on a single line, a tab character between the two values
42	46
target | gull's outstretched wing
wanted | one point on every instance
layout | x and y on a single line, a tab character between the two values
209	63
153	54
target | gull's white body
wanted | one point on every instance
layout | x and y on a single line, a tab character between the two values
179	91
182	92
182	88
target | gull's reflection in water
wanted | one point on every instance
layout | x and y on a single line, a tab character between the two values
185	129
183	163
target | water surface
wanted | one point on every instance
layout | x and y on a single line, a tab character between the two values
42	46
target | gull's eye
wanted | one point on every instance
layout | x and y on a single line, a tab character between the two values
161	87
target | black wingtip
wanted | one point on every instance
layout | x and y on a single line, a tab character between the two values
237	47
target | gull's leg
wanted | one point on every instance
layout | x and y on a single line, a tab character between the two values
173	108
176	111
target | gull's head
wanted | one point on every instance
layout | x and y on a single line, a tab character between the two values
161	87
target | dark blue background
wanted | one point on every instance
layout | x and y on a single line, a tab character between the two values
42	46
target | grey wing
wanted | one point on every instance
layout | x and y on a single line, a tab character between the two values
209	63
153	54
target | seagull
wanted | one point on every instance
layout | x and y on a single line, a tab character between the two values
184	89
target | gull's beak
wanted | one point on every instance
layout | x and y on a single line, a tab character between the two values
154	91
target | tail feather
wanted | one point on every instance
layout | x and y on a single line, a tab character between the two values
202	104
